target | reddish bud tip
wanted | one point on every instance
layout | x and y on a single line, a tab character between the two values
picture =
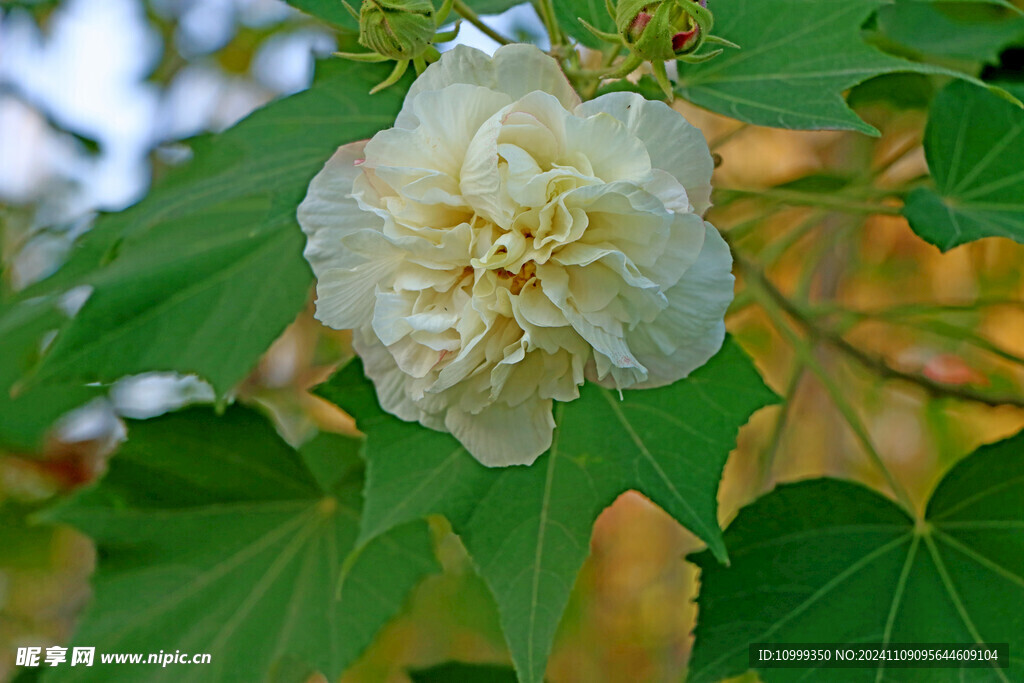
639	24
681	41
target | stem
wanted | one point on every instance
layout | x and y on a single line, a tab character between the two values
805	353
917	309
816	257
586	74
835	202
464	11
778	246
901	152
936	327
726	137
585	81
873	363
740	302
747	226
546	12
766	466
592	78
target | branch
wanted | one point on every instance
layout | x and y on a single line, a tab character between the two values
836	202
546	11
464	11
875	364
804	350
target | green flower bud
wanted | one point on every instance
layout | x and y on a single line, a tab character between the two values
397	29
658	32
661	31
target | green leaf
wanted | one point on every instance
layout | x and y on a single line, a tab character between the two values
901	91
974	144
215	536
528	528
961	30
203	274
331	458
1008	4
26	415
796	59
492	6
332	12
456	672
594	12
828	561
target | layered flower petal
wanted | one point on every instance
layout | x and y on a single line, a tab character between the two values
503	242
676	146
516	70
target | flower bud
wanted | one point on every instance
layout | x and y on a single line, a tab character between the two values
636	28
661	31
686	42
397	29
658	32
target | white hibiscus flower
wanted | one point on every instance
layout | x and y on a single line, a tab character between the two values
504	241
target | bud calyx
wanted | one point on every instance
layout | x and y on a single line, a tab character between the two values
402	30
398	29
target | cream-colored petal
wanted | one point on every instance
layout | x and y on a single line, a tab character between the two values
612	150
691	330
414	359
422	186
515	70
536	125
602	332
482	343
593	288
501	435
389	381
674	144
562	375
345	296
516	361
625	216
329	213
538	309
389	313
480	180
680	250
441	124
670	191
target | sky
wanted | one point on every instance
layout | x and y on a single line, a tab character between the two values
88	73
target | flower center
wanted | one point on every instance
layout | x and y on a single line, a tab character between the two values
518	280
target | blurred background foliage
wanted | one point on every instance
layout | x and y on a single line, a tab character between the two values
100	97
